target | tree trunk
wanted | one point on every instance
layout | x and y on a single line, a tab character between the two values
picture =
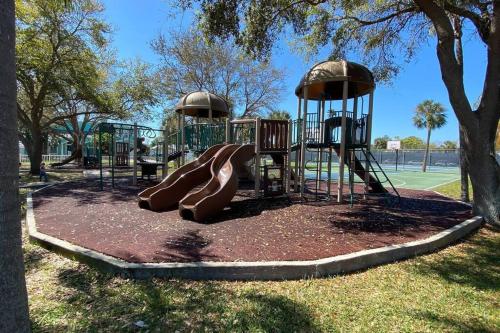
75	155
35	152
14	299
464	175
426	155
484	172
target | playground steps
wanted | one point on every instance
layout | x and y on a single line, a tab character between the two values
378	174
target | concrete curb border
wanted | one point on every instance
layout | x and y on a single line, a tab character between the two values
269	270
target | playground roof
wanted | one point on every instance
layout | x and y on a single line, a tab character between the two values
326	79
198	104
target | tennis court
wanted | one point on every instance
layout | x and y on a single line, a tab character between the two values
409	177
413	179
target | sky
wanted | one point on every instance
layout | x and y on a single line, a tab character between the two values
136	23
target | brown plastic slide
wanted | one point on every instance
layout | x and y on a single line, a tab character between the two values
221	188
359	170
167	194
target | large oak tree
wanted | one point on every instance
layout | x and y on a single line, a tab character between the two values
13	295
66	70
386	32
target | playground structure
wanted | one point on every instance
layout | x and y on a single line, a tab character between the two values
211	154
319	133
348	133
225	147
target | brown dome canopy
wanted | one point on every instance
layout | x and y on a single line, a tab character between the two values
198	104
326	79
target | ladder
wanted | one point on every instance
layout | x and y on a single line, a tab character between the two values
374	169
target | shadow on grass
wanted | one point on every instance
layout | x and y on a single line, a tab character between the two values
100	302
478	268
452	324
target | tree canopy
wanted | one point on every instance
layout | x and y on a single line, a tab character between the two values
188	64
66	69
429	115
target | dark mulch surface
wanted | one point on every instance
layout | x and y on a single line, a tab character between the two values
111	222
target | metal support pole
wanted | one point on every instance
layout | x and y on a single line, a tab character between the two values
113	160
340	189
321	120
100	158
134	156
368	142
257	157
164	172
228	131
352	150
329	180
288	158
209	109
397	153
303	144
183	137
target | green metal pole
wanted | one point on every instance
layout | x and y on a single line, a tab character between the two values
113	160
100	157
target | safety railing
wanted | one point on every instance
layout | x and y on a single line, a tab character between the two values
199	137
273	135
242	131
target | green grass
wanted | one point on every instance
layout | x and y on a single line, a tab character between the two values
454	290
453	189
53	175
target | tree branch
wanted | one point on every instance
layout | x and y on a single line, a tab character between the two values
482	24
450	69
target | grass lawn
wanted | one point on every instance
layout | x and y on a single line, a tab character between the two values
53	175
454	290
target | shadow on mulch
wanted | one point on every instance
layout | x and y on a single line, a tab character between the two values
411	215
90	193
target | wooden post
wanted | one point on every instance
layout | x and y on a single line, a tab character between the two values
134	156
340	189
368	142
288	158
257	157
303	144
297	151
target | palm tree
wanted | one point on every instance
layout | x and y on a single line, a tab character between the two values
13	299
429	115
279	115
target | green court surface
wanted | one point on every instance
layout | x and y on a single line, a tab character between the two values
409	177
422	180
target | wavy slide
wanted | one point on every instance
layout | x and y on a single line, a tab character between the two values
221	188
167	194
